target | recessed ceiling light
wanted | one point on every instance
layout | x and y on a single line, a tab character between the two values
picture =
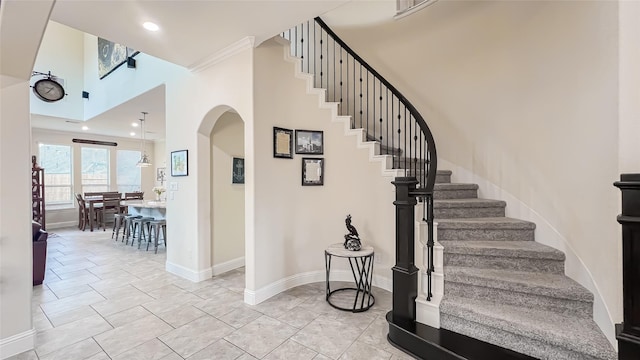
151	26
85	128
132	133
135	124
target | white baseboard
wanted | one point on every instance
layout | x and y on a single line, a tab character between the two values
255	297
17	344
228	266
60	225
189	274
545	234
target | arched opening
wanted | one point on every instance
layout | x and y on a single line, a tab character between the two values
227	193
223	242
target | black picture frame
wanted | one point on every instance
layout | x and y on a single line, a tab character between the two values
312	171
282	143
309	142
237	171
180	163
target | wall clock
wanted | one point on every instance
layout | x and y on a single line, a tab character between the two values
48	89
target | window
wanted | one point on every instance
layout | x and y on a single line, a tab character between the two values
95	169
58	185
128	174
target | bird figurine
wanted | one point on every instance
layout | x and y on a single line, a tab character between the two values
351	240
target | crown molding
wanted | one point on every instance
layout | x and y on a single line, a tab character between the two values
225	53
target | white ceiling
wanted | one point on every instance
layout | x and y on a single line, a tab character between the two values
191	32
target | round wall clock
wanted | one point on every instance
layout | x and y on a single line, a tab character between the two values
48	90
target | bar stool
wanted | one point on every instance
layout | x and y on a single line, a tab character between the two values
128	226
156	225
118	222
138	224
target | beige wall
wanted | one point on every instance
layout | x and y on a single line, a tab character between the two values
15	221
227	142
525	95
197	101
294	223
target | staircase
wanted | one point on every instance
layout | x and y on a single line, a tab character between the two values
505	296
502	287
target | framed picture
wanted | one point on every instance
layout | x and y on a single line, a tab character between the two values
110	56
161	174
237	171
309	142
282	143
312	171
180	163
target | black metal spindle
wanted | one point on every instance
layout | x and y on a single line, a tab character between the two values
361	96
415	145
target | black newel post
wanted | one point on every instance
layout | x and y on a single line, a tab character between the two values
628	333
405	273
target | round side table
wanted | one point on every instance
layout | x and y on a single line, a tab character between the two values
361	263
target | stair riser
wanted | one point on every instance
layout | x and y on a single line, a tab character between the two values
526	345
582	309
455	194
443	179
468	212
486	234
504	263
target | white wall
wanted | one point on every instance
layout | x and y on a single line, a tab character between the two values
123	83
65	217
197	101
62	53
16	330
629	124
227	214
294	223
525	95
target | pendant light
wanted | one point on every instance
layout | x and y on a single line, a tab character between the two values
144	159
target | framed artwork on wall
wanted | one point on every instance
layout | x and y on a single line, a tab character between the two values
237	171
110	56
312	171
180	163
282	143
309	142
161	174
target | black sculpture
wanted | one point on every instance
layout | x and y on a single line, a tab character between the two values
351	240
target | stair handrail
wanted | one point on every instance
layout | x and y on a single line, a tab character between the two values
422	165
431	175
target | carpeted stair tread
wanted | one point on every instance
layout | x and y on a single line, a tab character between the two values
444	172
545	284
514	249
467	203
485	223
455	186
579	335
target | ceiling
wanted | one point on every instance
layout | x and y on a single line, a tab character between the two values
191	32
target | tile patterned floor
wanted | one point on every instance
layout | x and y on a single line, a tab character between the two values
102	299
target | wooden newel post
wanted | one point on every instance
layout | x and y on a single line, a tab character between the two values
628	333
405	273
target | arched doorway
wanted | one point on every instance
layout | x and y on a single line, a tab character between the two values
227	193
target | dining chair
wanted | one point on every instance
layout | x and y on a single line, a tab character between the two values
83	213
110	206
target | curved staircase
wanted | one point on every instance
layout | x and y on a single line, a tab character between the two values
502	287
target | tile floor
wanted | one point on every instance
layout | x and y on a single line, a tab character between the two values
104	300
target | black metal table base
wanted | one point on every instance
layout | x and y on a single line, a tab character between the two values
362	271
